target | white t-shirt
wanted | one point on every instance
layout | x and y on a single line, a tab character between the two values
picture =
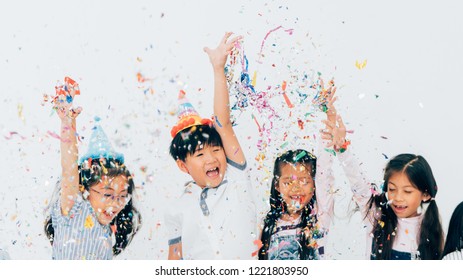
406	240
455	255
216	223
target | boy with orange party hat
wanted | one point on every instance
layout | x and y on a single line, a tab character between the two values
215	217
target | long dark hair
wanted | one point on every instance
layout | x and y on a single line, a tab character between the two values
128	220
431	234
454	240
278	205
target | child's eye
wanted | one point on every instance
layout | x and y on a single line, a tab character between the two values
199	154
107	195
304	181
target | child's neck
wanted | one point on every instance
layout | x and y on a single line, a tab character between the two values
290	216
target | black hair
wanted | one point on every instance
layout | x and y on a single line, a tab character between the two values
128	221
454	240
431	234
188	140
278	205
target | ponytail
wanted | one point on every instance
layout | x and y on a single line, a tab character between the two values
431	234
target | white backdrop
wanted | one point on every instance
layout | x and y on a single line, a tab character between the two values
405	99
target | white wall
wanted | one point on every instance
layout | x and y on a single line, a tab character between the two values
413	49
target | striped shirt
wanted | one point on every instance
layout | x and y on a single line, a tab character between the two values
79	235
455	255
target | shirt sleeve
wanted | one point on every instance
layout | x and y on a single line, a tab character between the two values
324	188
360	186
240	174
58	217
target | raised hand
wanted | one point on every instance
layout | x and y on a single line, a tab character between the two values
64	98
335	133
218	56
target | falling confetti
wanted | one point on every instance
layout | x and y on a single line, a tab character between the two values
360	64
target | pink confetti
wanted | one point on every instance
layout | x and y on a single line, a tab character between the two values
12	133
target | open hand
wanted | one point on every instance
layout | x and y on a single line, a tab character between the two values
335	133
218	56
62	102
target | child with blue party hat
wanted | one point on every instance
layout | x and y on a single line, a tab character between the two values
93	216
215	217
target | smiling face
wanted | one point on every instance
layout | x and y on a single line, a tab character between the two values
404	197
296	186
207	165
109	197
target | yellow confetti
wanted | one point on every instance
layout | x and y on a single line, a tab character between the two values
89	222
360	65
20	112
406	231
381	223
253	83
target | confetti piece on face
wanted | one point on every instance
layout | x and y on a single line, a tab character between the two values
89	222
360	65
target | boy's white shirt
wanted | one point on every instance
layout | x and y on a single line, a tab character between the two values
230	229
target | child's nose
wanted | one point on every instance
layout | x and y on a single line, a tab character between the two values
209	157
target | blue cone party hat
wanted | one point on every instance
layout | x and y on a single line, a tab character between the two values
100	147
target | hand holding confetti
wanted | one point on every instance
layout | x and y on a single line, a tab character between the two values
218	56
336	134
323	95
64	97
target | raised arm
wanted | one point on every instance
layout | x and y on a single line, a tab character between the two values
222	123
335	133
325	178
68	146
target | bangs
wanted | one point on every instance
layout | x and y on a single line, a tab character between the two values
187	141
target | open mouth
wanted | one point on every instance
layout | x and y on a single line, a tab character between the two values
296	201
400	208
213	172
109	213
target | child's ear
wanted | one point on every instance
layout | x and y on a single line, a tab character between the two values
182	166
426	197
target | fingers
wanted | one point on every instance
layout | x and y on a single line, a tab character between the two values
225	37
330	126
207	50
340	122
